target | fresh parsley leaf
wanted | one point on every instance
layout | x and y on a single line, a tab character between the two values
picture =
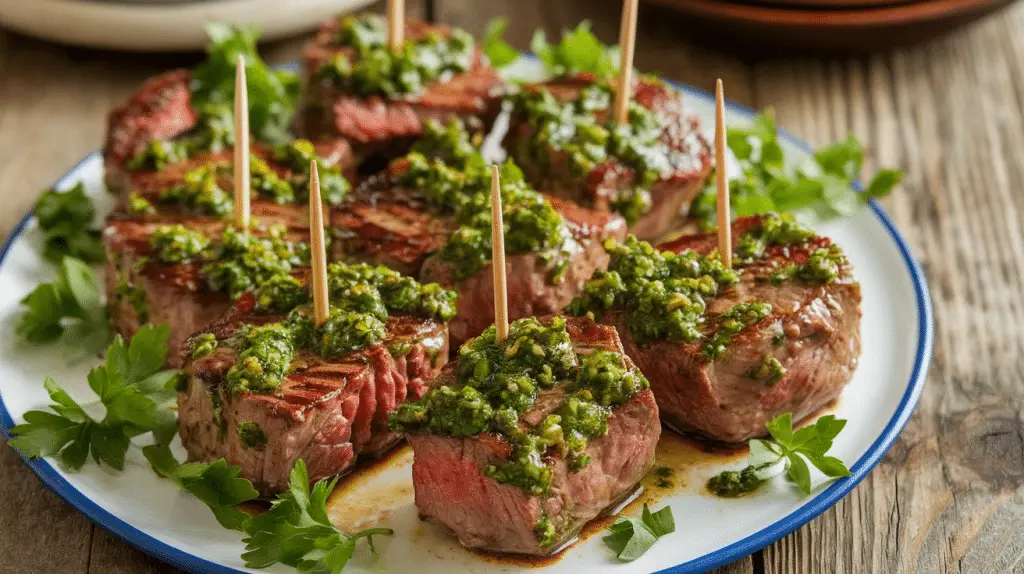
297	532
629	538
137	395
578	51
65	218
823	187
70	305
216	484
273	94
794	449
498	51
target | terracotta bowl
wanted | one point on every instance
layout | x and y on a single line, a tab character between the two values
845	29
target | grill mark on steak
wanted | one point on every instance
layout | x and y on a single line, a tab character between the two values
821	325
452	490
380	129
669	196
387	224
328	413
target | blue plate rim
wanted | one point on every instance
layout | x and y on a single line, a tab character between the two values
748	545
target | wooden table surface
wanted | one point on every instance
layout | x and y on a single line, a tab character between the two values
949	495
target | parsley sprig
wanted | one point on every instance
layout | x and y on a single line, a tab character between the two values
790	450
69	307
498	51
630	537
137	395
216	484
297	532
273	94
822	187
65	218
578	51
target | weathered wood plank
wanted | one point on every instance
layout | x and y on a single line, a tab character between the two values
948	113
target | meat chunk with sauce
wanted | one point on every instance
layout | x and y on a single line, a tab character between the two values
329	413
797	359
454	488
381	127
607	182
388	224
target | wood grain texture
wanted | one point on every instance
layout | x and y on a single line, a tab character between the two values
950	494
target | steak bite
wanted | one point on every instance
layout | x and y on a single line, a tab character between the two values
187	271
266	388
519	444
203	184
161	126
431	219
356	88
726	351
648	171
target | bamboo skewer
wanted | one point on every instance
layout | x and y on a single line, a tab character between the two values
627	43
722	180
318	280
242	182
396	24
498	259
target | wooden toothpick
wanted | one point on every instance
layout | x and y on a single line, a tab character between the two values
241	147
498	258
318	281
627	42
396	24
722	180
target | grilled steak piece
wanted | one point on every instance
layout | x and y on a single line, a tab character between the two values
813	332
608	182
326	412
380	127
162	111
143	289
454	488
394	226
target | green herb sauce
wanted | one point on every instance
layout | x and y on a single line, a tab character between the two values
462	189
770	370
496	383
375	69
544	530
251	435
362	298
587	141
178	244
202	345
733	483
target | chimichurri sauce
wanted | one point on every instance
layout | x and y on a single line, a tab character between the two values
375	69
460	188
496	383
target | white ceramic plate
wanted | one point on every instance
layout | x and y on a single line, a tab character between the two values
153	515
164	25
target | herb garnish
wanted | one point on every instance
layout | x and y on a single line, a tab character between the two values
578	51
138	397
498	51
791	448
629	538
272	93
70	306
65	217
822	187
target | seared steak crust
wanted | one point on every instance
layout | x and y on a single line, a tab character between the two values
452	489
328	413
813	331
384	128
393	226
141	289
669	197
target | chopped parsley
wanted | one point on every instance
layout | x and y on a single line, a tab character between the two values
376	69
